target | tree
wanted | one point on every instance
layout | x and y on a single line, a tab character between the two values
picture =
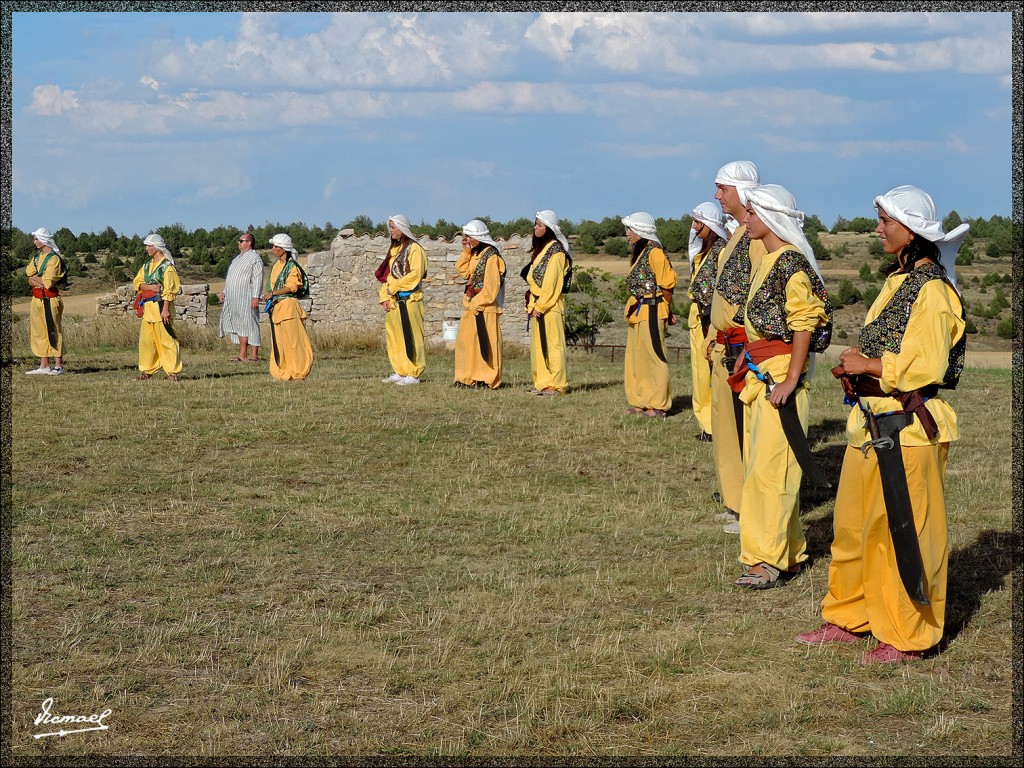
951	222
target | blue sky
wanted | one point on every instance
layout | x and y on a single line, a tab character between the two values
139	120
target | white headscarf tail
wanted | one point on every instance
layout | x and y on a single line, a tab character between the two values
158	242
776	207
550	220
403	226
43	236
914	208
711	215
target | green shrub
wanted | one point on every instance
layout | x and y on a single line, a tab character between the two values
845	294
616	246
965	257
867	274
870	294
20	285
1007	329
970	327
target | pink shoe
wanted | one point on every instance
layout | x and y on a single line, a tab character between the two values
886	654
827	633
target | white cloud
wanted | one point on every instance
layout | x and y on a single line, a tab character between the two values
330	188
149	82
52	100
516	97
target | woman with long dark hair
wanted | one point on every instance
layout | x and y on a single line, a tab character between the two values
888	572
545	305
478	343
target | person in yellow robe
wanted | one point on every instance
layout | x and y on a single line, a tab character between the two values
788	316
910	349
156	286
291	355
728	305
478	343
401	297
650	281
708	237
545	277
45	273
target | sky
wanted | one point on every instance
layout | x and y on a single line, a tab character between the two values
142	120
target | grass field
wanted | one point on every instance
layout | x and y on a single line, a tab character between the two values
236	566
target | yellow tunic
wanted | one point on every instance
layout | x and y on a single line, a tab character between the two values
546	298
770	528
470	366
411	283
37	331
647	378
700	372
726	445
291	356
865	593
157	348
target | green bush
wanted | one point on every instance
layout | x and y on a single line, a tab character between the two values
965	257
616	246
20	285
845	294
1007	329
867	274
870	294
970	327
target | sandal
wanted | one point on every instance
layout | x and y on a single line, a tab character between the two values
656	412
172	377
760	576
144	377
634	411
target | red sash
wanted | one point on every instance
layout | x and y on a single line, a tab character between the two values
44	293
143	296
758	352
732	336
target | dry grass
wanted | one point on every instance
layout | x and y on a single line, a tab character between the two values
237	566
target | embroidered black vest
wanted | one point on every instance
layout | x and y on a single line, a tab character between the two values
641	280
702	285
885	332
540	267
734	280
766	309
477	280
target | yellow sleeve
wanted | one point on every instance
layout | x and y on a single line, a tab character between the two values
934	327
551	291
139	279
804	310
53	273
664	272
31	269
462	265
492	284
294	281
171	284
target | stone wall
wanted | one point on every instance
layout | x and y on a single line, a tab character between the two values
189	307
344	292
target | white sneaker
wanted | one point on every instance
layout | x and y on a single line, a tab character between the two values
404	381
732	527
392	379
726	517
57	371
38	371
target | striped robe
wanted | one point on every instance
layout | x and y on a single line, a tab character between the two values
243	283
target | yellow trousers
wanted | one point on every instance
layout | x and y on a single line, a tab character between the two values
400	361
700	373
550	373
158	349
470	366
648	382
865	593
293	349
726	445
38	336
770	527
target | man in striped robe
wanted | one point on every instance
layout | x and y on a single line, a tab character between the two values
240	300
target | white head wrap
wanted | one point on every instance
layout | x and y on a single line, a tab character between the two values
643	224
158	242
479	231
710	214
285	241
43	236
776	207
741	174
550	220
403	226
730	223
915	209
